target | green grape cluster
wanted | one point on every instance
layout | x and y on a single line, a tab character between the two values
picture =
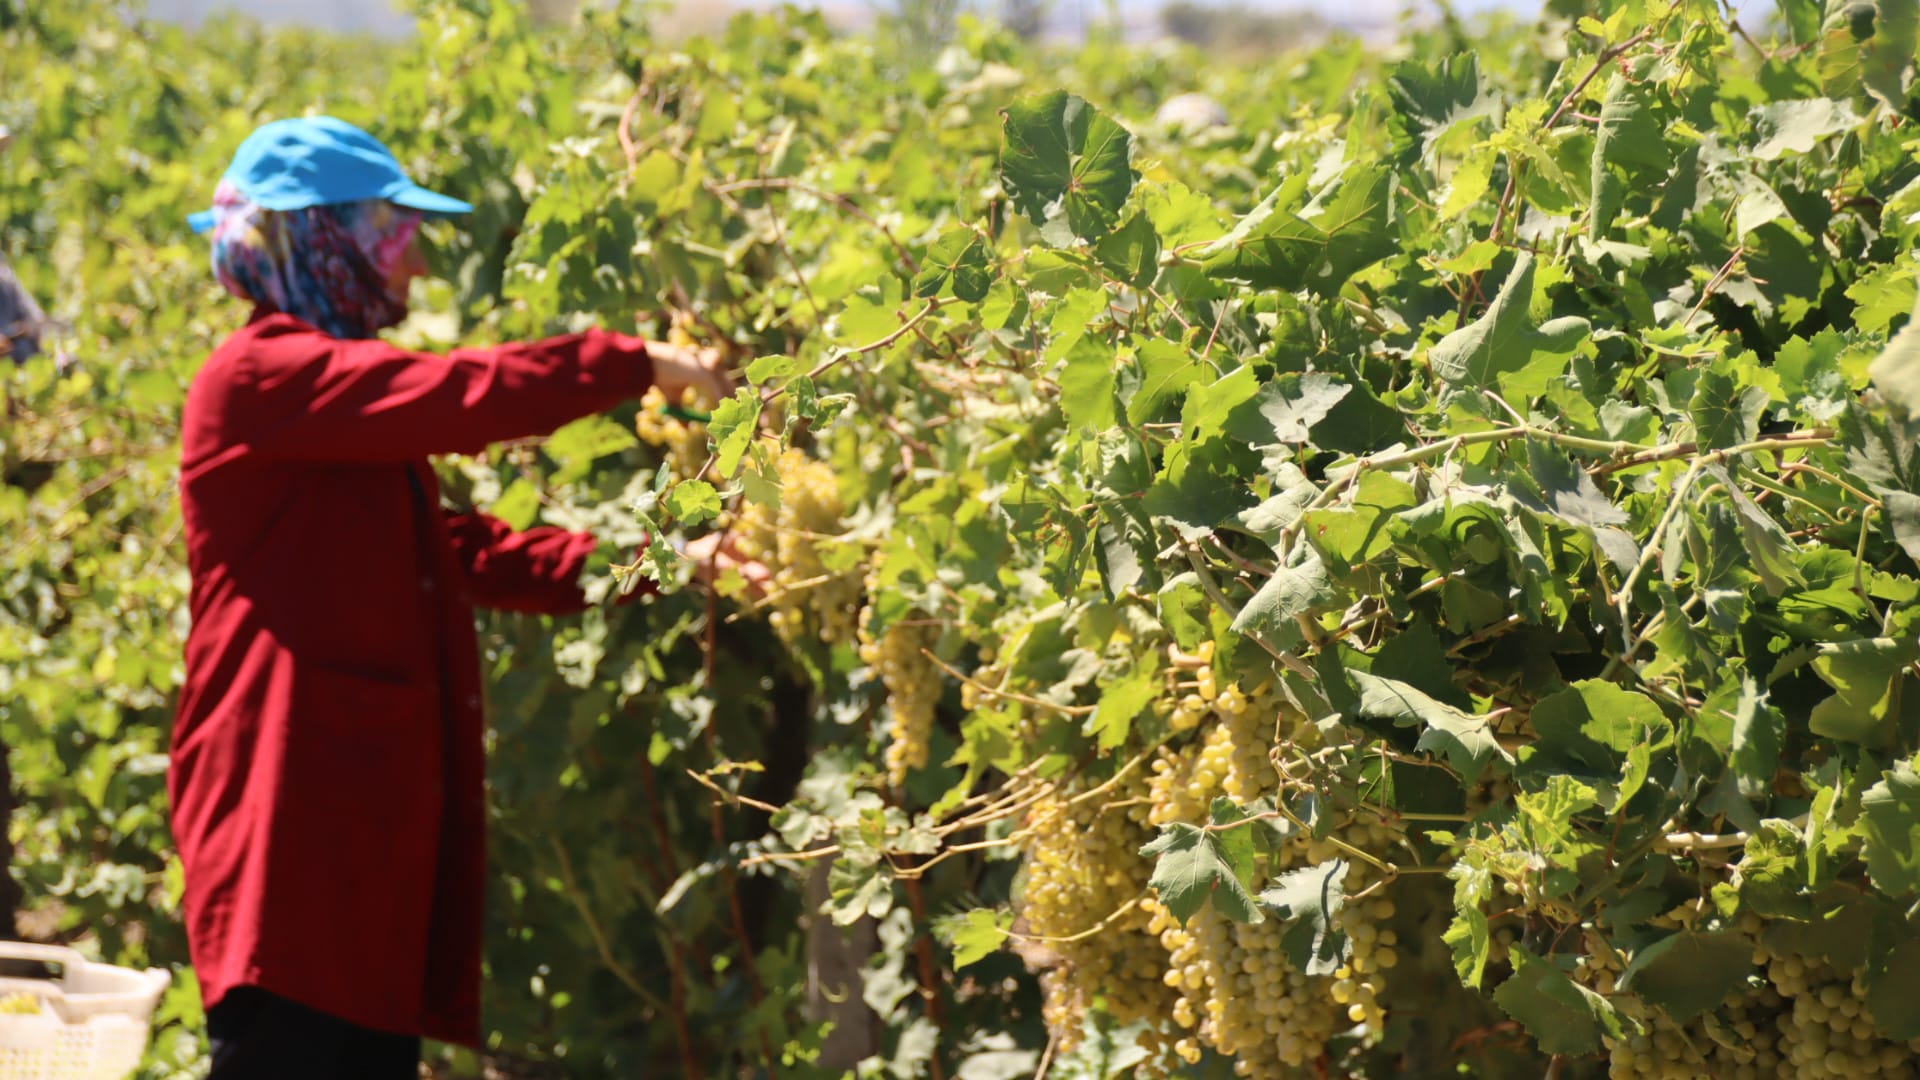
20	1004
914	687
811	600
1807	1019
1082	867
1240	992
683	442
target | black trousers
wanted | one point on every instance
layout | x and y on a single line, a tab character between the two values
261	1036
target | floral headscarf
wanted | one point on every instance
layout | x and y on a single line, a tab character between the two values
325	265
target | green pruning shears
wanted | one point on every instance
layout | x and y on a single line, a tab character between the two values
681	412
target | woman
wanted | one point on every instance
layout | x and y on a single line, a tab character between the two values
327	777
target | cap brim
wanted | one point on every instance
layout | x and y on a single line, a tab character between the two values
201	222
431	202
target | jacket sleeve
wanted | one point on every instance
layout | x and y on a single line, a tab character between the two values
536	570
301	394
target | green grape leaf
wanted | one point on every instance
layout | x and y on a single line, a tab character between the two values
1167	371
1291	592
692	502
1466	740
1288	407
771	367
1122	699
958	259
1131	252
1691	972
1903	517
1896	371
1890	831
1562	1016
975	935
1893	991
1796	127
1571	494
1628	136
1087	384
1310	899
1505	348
731	428
1064	163
1275	246
1431	99
575	447
519	505
1869	44
1771	552
1724	412
1195	865
1866	675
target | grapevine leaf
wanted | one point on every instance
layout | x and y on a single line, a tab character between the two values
1467	740
1796	127
1275	247
1890	831
1870	44
575	447
1121	701
1690	972
731	429
1758	731
1903	517
1291	592
1288	407
1724	412
1770	550
1593	725
1132	251
1432	99
1896	371
693	501
771	367
1893	991
975	935
1167	370
1866	675
858	889
519	505
1087	386
958	259
1066	165
1194	866
1570	492
1210	407
1310	898
1505	345
1563	1016
1629	136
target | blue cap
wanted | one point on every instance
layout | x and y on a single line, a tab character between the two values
321	161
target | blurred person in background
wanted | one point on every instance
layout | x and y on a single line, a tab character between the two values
328	761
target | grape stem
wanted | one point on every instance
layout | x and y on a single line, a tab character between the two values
571	885
1008	695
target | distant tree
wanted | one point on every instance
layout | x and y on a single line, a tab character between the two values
1026	18
1238	28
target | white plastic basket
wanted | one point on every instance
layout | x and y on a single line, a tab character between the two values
93	1019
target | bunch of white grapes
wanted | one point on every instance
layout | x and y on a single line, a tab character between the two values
1083	865
914	687
1807	1019
810	601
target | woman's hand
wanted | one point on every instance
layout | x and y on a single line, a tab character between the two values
715	553
677	368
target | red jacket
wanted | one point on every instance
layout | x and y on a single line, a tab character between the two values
328	768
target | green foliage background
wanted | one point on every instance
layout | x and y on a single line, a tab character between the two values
1531	406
